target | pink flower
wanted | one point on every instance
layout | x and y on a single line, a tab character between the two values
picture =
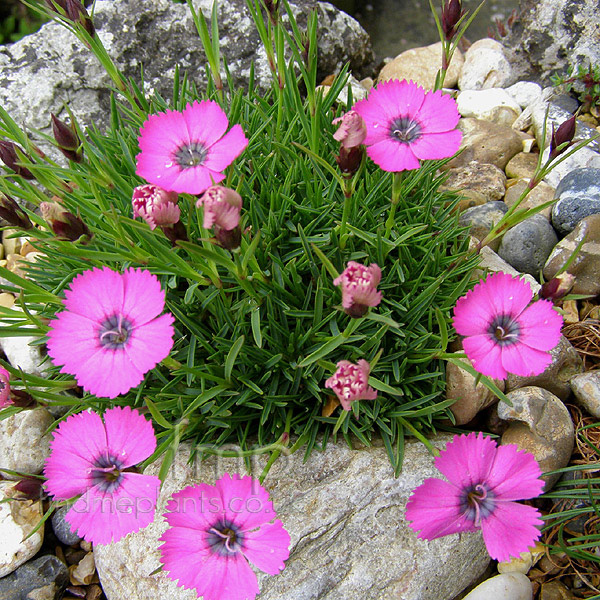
503	334
214	531
4	388
359	287
111	334
155	205
352	130
350	382
405	124
91	458
222	207
187	151
484	481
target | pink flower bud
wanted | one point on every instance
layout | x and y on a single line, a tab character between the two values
350	382
352	130
9	156
67	139
155	205
558	287
359	287
563	135
451	14
4	388
222	207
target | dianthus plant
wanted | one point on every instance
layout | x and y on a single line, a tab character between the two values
305	262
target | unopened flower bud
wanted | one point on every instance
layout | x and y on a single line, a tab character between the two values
67	139
563	135
558	287
352	130
31	488
9	156
359	288
64	224
22	399
451	14
156	206
13	214
53	4
77	12
349	160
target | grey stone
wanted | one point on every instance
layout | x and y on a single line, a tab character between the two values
41	72
527	245
540	194
344	511
566	363
540	424
41	579
552	34
490	262
586	265
525	93
18	518
484	179
493	104
586	388
578	197
486	66
486	142
62	529
481	219
582	158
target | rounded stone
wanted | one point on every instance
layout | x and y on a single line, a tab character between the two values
586	388
507	586
522	165
566	363
487	181
490	262
24	444
18	518
421	65
481	219
525	93
586	265
62	528
493	104
540	424
527	245
540	194
578	196
486	142
486	66
44	578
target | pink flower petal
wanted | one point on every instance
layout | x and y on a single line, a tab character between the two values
400	98
103	517
96	294
150	343
507	295
524	361
432	146
438	113
222	153
540	326
246	502
129	435
485	355
511	529
71	337
228	578
138	284
196	507
267	547
393	156
195	180
515	474
467	459
205	121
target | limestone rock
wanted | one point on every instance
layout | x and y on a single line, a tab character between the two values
566	363
23	445
540	424
484	179
540	194
493	104
586	265
421	66
17	521
349	538
527	245
41	579
508	586
486	66
586	387
482	218
525	93
41	72
486	142
23	354
469	398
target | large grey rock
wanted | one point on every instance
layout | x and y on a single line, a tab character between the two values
349	538
41	579
42	71
552	34
481	219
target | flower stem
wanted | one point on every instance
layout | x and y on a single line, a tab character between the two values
396	189
347	189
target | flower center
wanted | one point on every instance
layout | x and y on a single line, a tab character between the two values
505	330
106	472
191	155
225	537
405	130
114	332
477	502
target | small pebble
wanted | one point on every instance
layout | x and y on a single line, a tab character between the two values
62	528
508	586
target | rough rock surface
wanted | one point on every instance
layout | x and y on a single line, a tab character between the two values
485	67
586	388
552	34
349	538
41	579
41	72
